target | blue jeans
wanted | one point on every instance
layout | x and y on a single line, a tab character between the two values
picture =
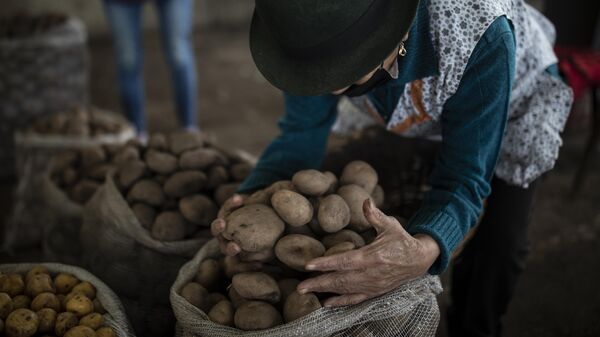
176	33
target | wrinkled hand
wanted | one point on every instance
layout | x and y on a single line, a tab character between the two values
393	258
217	227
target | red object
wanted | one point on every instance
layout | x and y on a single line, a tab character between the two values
581	68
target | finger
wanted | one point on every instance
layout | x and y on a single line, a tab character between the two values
340	301
232	249
217	227
350	260
339	283
377	218
233	203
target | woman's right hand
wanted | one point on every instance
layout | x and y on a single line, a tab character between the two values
218	226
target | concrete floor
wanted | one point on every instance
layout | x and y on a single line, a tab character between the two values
558	295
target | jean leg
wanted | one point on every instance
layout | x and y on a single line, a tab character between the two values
176	18
125	24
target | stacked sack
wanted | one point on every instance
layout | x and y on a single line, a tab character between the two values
152	215
279	230
38	145
59	300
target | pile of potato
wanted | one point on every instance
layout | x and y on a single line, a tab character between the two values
280	229
175	184
81	172
26	25
41	304
79	122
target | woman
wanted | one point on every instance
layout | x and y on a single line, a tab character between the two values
124	17
480	74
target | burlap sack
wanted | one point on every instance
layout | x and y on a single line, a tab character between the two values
34	158
138	268
115	316
411	310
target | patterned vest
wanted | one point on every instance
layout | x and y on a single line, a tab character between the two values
539	103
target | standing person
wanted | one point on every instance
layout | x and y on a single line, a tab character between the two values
481	74
124	17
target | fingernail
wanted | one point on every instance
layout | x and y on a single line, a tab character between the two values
302	291
310	267
327	305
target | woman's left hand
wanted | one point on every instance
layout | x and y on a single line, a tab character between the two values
393	258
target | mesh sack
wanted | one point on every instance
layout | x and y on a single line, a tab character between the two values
34	158
139	268
115	315
411	310
40	74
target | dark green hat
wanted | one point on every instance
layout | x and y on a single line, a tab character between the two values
312	47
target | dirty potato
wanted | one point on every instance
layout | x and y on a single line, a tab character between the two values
292	207
254	228
296	250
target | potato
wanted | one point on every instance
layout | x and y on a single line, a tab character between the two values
146	191
359	173
214	298
200	159
80	305
341	247
316	228
378	196
184	183
168	226
311	182
100	171
84	190
266	255
64	283
45	300
93	320
21	302
160	162
236	299
98	307
105	332
21	323
144	213
80	331
333	181
6	305
296	250
292	207
85	288
299	305
92	156
131	172
256	315
254	228
233	265
209	273
47	318
264	196
222	313
256	286
345	235
184	140
38	284
217	176
12	284
64	322
355	197
69	176
333	214
158	141
125	155
224	192
240	171
198	209
287	286
36	271
197	295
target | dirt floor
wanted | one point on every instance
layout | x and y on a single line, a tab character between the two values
558	294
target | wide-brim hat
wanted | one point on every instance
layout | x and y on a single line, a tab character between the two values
313	47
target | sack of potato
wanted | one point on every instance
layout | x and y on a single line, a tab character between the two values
58	300
72	179
38	145
151	216
279	230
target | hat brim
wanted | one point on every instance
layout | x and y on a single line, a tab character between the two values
329	73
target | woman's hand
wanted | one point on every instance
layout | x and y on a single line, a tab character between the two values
393	258
217	227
